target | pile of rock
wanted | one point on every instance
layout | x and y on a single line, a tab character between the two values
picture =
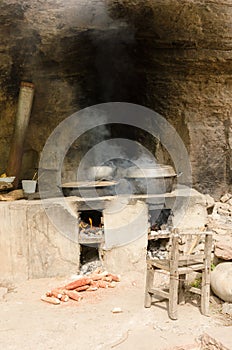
220	222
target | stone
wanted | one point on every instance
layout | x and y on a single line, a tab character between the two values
3	292
217	338
193	215
227	309
223	251
31	246
210	202
226	197
223	212
224	206
221	281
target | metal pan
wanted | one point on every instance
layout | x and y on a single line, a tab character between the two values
89	189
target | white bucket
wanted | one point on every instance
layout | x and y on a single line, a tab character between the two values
29	186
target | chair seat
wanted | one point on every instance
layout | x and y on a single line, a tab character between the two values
184	267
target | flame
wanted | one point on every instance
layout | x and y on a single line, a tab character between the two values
91	222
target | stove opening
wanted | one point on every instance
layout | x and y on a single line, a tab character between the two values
89	259
91	218
91	227
160	219
91	235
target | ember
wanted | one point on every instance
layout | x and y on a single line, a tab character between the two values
91	227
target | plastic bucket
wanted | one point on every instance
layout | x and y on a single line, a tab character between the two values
29	186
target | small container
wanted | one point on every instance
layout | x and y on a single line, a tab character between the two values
7	179
29	186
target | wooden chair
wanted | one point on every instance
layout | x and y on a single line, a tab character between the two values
179	265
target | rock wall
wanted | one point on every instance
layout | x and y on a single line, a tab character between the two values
172	56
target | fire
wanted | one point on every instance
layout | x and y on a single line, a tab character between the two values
91	222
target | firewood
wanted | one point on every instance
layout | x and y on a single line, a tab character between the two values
12	196
100	284
72	294
103	284
99	276
112	285
78	283
82	288
92	289
56	294
108	279
115	278
50	300
64	298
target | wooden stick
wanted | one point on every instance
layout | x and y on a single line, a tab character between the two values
22	120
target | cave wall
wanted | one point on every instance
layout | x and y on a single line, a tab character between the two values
186	47
172	56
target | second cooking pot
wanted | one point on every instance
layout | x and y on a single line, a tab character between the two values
151	179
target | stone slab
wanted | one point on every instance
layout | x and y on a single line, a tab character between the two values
31	246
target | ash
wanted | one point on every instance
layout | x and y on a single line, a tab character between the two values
158	249
90	267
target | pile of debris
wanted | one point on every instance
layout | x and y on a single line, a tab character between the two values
220	222
76	289
158	248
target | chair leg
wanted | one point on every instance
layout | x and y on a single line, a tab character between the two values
173	298
149	284
205	294
181	291
205	288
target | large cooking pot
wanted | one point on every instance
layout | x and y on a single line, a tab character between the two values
156	179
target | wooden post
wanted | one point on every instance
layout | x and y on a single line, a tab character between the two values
205	288
22	120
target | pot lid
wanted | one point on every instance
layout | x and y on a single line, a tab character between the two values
157	171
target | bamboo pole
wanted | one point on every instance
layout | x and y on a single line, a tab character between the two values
25	100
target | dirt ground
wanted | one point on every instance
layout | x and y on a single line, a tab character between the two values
28	323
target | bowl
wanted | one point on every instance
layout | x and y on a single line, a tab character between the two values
9	179
101	172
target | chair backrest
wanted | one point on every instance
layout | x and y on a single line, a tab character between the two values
191	247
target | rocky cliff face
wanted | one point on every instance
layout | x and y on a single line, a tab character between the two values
172	56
